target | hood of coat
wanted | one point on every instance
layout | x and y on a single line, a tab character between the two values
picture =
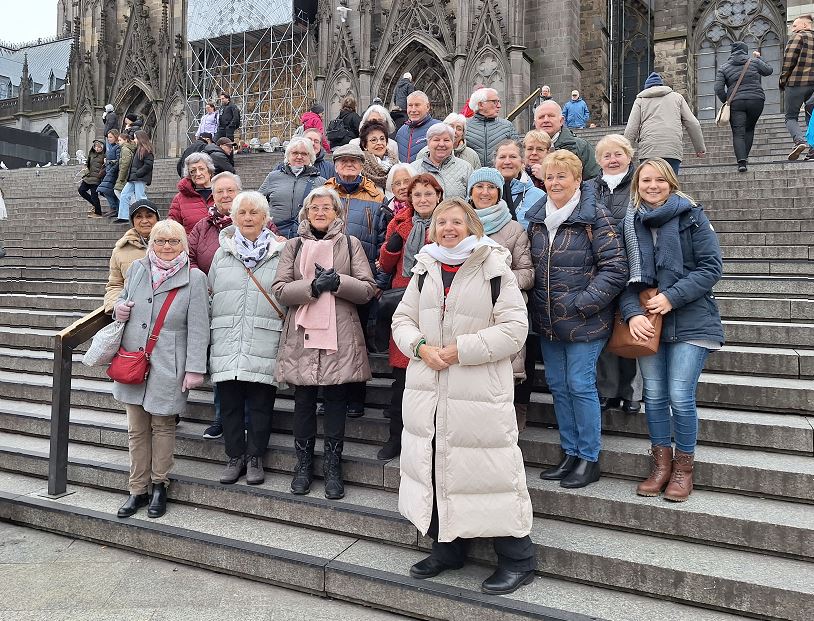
523	182
186	188
133	239
656	91
367	190
311	119
334	230
738	57
226	239
494	259
585	213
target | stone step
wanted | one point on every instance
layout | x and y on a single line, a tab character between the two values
785	253
53	287
770	394
779	309
766	239
762	267
785	476
41	261
97	273
52	302
797	335
331	565
35	318
775	527
796	287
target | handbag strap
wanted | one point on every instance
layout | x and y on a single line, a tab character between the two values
265	293
738	83
159	322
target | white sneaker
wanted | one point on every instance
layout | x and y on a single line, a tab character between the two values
797	150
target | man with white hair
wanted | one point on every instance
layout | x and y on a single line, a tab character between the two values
404	87
451	172
548	118
485	130
545	95
412	136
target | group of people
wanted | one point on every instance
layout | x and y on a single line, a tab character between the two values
475	251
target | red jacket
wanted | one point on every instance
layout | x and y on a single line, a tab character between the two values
311	120
188	207
204	241
393	263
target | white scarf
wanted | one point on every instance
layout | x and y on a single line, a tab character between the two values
555	217
252	252
461	252
613	181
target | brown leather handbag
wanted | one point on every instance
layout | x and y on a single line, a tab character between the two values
622	342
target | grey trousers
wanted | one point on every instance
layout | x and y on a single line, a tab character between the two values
796	96
618	378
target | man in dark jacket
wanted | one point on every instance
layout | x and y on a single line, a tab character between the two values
404	87
110	119
222	155
797	79
548	118
203	141
228	119
412	136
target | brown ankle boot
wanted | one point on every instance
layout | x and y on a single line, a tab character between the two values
661	466
680	486
520	410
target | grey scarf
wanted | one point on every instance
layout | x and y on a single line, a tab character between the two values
415	241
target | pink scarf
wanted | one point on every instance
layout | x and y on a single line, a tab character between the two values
399	205
161	270
317	319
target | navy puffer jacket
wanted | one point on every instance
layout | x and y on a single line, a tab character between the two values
576	278
695	313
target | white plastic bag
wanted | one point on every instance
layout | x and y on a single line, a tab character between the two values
3	212
104	345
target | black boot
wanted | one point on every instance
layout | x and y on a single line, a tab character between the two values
560	470
392	448
583	473
133	504
158	503
332	469
304	470
503	581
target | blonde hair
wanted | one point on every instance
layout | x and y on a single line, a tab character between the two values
473	223
662	168
565	160
613	140
171	230
316	193
255	199
537	135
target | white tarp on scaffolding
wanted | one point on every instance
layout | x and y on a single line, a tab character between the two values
207	19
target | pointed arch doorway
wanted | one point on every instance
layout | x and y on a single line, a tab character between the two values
429	75
136	101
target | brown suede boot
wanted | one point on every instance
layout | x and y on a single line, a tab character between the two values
661	466
520	410
680	486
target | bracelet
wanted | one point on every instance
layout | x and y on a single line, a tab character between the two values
420	343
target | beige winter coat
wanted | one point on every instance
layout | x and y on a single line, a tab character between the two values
128	249
467	408
515	239
315	367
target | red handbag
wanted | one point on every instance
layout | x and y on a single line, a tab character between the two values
133	367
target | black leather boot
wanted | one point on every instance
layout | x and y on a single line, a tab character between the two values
392	448
133	504
158	503
332	470
503	581
559	471
583	473
304	470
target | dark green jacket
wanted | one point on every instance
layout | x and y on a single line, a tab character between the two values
582	149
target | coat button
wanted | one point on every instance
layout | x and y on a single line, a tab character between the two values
149	300
141	349
144	325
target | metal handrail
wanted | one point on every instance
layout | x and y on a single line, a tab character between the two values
64	344
522	105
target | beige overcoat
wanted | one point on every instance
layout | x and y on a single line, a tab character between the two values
480	479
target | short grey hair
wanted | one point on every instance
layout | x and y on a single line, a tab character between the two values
383	113
171	230
418	94
440	129
408	76
478	97
321	191
194	158
391	174
455	118
227	175
305	143
254	199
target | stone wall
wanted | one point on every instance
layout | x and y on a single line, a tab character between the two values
594	58
671	46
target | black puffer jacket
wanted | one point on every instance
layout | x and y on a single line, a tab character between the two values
141	169
222	162
727	75
577	278
615	202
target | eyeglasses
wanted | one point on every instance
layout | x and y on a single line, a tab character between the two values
319	209
494	101
377	139
163	242
300	153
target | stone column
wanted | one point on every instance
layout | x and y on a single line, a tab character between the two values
552	44
671	47
593	21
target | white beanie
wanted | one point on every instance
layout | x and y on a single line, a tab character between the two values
109	107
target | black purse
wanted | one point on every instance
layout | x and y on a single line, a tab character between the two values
388	302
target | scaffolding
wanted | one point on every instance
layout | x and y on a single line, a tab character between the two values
265	68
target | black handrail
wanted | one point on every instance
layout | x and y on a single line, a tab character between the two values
64	345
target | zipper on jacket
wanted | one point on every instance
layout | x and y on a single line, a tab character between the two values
548	287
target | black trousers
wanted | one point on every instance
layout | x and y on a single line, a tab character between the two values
396	398
225	132
744	114
522	392
88	192
357	391
305	412
238	398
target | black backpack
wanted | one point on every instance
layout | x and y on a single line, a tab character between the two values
494	283
338	133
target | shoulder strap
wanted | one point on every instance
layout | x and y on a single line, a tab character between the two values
495	284
297	246
265	293
421	278
159	322
350	254
738	83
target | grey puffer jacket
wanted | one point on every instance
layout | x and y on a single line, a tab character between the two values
452	174
751	86
245	329
301	366
182	342
484	134
286	192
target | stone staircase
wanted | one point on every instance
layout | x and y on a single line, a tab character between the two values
742	546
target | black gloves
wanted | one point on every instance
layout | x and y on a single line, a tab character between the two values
324	280
395	243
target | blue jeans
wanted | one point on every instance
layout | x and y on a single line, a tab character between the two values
570	370
132	191
670	380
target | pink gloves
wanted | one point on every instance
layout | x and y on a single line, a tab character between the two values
192	380
121	312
